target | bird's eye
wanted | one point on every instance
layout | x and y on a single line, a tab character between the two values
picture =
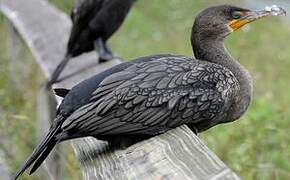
237	14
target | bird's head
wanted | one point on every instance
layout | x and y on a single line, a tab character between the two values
220	21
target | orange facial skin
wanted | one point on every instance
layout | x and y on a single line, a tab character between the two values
237	24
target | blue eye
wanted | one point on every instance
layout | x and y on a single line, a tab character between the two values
236	15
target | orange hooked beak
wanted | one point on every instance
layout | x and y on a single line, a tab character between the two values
251	16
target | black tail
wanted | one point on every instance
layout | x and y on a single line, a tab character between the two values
42	150
58	70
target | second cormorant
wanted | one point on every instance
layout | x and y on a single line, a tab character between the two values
94	22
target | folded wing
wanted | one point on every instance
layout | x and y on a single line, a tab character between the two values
153	97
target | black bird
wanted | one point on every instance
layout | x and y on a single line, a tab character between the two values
94	22
151	95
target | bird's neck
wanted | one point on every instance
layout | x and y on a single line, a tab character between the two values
213	50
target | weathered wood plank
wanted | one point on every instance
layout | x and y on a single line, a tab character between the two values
4	169
4	172
178	154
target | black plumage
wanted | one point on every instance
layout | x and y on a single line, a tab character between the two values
153	94
94	22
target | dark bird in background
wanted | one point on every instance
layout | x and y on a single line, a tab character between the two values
94	22
151	95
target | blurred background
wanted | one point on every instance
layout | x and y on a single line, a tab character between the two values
255	147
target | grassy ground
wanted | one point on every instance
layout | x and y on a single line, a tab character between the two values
256	147
17	106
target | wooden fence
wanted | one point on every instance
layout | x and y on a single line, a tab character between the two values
177	154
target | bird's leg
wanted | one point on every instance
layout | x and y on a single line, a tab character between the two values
108	50
120	143
193	129
124	142
104	53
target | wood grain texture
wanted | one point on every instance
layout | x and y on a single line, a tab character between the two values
177	154
4	171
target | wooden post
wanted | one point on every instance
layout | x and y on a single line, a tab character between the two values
4	171
177	154
4	174
18	67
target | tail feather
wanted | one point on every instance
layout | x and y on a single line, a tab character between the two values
58	70
43	156
41	151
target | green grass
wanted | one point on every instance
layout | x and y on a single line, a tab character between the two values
17	106
256	147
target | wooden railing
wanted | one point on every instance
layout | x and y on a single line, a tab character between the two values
177	154
4	174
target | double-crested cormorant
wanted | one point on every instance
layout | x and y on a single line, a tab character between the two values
151	95
94	22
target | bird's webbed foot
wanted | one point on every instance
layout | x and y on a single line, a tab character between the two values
103	51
